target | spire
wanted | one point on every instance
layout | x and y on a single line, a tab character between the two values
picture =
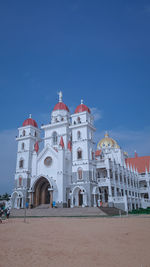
106	134
30	116
135	154
81	101
146	172
61	142
69	146
60	96
36	147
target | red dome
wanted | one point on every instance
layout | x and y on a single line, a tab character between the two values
82	108
30	121
61	106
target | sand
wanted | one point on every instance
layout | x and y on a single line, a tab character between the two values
115	242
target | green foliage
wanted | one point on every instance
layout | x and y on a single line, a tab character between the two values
5	196
140	211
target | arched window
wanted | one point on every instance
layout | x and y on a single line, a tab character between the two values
22	146
79	153
55	138
78	120
78	135
24	133
20	181
21	163
80	173
35	134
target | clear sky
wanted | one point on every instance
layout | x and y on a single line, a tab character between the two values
97	50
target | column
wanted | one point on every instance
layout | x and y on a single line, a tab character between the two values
85	199
94	200
30	198
51	196
71	204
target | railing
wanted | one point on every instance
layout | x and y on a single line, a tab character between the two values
143	189
103	181
145	203
117	199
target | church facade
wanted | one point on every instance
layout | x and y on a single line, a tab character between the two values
68	172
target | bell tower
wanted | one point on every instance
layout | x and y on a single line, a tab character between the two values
28	138
83	162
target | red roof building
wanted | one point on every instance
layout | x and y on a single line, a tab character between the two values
139	163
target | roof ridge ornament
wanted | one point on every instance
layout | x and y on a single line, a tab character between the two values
60	96
106	134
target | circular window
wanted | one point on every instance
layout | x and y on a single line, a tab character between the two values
48	161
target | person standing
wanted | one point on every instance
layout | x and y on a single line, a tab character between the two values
1	215
8	213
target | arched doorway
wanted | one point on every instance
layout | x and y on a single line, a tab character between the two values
17	200
42	194
80	197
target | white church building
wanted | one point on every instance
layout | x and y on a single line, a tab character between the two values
68	172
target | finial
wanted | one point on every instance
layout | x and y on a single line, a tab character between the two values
60	96
106	134
30	116
81	101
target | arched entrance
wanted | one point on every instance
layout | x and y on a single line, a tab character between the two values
80	197
17	200
42	193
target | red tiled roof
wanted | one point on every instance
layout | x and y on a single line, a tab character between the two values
82	108
61	106
97	153
30	121
140	163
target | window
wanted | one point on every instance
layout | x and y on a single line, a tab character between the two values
54	138
98	175
79	153
48	161
24	133
78	120
22	146
20	181
78	135
35	134
21	162
80	173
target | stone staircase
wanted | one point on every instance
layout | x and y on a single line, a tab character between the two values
112	211
46	211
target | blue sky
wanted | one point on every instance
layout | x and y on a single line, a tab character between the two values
96	50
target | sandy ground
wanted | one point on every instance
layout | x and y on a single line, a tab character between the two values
76	242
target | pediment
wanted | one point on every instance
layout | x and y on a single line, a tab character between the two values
48	150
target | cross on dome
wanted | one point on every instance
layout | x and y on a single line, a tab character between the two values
106	134
60	96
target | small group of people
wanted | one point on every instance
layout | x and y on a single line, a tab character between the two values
5	212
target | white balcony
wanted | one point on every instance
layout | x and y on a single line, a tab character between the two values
143	189
103	182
